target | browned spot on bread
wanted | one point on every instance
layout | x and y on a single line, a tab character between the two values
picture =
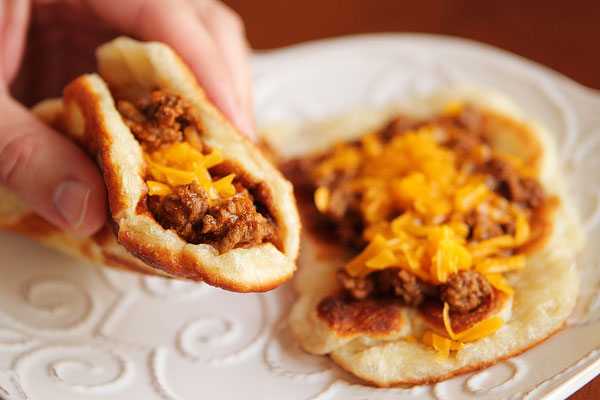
156	257
33	225
431	310
349	317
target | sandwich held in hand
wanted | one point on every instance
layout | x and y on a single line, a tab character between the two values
440	238
189	196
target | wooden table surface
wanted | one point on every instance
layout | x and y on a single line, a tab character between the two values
564	36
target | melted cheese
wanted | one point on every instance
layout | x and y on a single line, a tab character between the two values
480	330
433	190
157	188
456	341
415	176
442	344
181	164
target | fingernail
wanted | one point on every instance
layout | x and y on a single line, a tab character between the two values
71	200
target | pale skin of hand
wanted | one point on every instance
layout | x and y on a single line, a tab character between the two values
48	172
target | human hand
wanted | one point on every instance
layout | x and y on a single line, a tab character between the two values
48	172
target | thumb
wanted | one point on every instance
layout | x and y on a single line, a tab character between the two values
49	172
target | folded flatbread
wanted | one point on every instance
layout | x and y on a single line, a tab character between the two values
189	196
455	239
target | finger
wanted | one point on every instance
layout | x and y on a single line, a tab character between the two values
48	172
14	17
227	29
176	24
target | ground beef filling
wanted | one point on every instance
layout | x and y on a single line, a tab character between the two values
389	282
482	227
164	119
464	291
465	134
505	180
230	223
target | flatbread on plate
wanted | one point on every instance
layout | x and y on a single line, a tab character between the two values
384	341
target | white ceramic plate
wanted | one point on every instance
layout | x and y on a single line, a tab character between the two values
72	331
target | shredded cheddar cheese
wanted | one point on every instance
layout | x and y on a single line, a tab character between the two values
480	330
499	282
498	265
456	341
416	195
417	175
181	164
442	344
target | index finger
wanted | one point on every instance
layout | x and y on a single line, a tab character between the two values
177	24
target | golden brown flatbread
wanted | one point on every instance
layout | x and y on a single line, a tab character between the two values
384	341
131	71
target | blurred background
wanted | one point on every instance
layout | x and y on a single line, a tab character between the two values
562	35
